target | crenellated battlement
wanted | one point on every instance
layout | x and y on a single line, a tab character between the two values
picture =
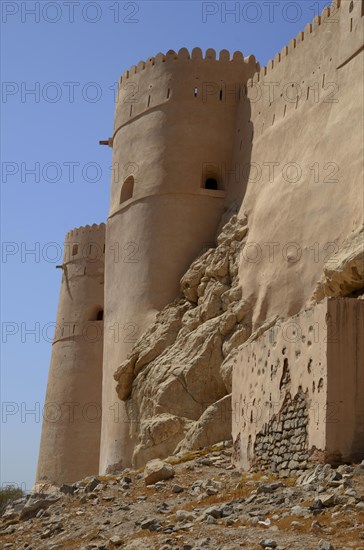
184	55
339	10
303	39
85	230
196	78
85	244
305	72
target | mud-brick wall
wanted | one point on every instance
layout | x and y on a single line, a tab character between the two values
297	390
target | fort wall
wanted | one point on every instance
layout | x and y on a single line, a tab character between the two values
303	191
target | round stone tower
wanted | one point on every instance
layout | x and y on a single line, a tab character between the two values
175	125
70	441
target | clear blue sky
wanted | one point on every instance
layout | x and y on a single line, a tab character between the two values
81	42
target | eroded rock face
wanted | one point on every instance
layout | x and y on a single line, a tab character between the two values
212	426
174	372
177	380
344	271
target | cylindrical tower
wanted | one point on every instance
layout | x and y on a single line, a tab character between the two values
70	440
175	124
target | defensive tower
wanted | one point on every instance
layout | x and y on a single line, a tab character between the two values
70	441
175	125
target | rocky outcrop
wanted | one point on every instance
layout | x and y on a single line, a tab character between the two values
174	372
344	271
177	380
212	426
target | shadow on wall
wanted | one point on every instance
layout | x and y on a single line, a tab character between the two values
127	189
237	177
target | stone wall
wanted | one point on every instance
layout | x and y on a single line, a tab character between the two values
282	444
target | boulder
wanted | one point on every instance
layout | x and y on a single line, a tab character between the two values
157	470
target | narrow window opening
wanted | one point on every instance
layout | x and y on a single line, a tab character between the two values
323	80
131	110
148	100
351	25
74	328
168	92
95	314
211	183
195	92
285	110
220	95
74	249
103	249
308	92
274	117
127	189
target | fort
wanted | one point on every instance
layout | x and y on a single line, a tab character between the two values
224	294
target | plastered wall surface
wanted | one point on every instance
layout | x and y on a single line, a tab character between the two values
305	194
345	358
